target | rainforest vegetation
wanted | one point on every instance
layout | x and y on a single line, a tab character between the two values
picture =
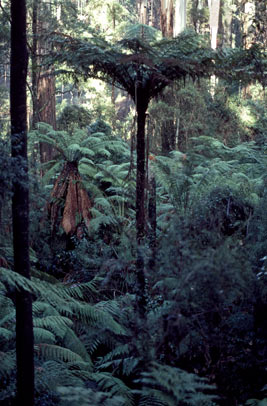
133	196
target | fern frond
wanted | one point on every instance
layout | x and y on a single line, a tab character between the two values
174	386
83	291
56	353
102	202
7	363
56	324
42	335
5	334
51	374
72	342
102	220
114	386
79	396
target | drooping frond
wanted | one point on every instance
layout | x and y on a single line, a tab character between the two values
135	63
55	352
43	335
68	188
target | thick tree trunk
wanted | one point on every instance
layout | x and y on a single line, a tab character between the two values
167	18
43	81
46	109
214	7
20	201
34	59
180	17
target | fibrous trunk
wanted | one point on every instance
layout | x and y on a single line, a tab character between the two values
141	106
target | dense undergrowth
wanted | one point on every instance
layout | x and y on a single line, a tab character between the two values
203	339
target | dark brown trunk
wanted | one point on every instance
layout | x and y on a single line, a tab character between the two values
152	218
20	202
140	174
34	59
141	107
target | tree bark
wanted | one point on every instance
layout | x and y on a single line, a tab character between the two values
141	107
140	175
43	81
214	7
180	17
20	202
152	218
167	18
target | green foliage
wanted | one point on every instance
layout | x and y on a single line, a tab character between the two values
79	396
73	117
63	357
100	126
205	330
170	386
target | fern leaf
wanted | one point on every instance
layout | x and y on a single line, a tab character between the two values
7	363
43	336
114	386
55	352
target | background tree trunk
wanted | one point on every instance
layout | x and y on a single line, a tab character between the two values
43	80
167	18
180	17
214	7
20	202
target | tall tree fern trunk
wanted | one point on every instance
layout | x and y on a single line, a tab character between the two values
141	106
140	175
20	202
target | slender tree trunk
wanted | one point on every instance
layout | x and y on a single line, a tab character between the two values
152	218
20	202
140	176
141	107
